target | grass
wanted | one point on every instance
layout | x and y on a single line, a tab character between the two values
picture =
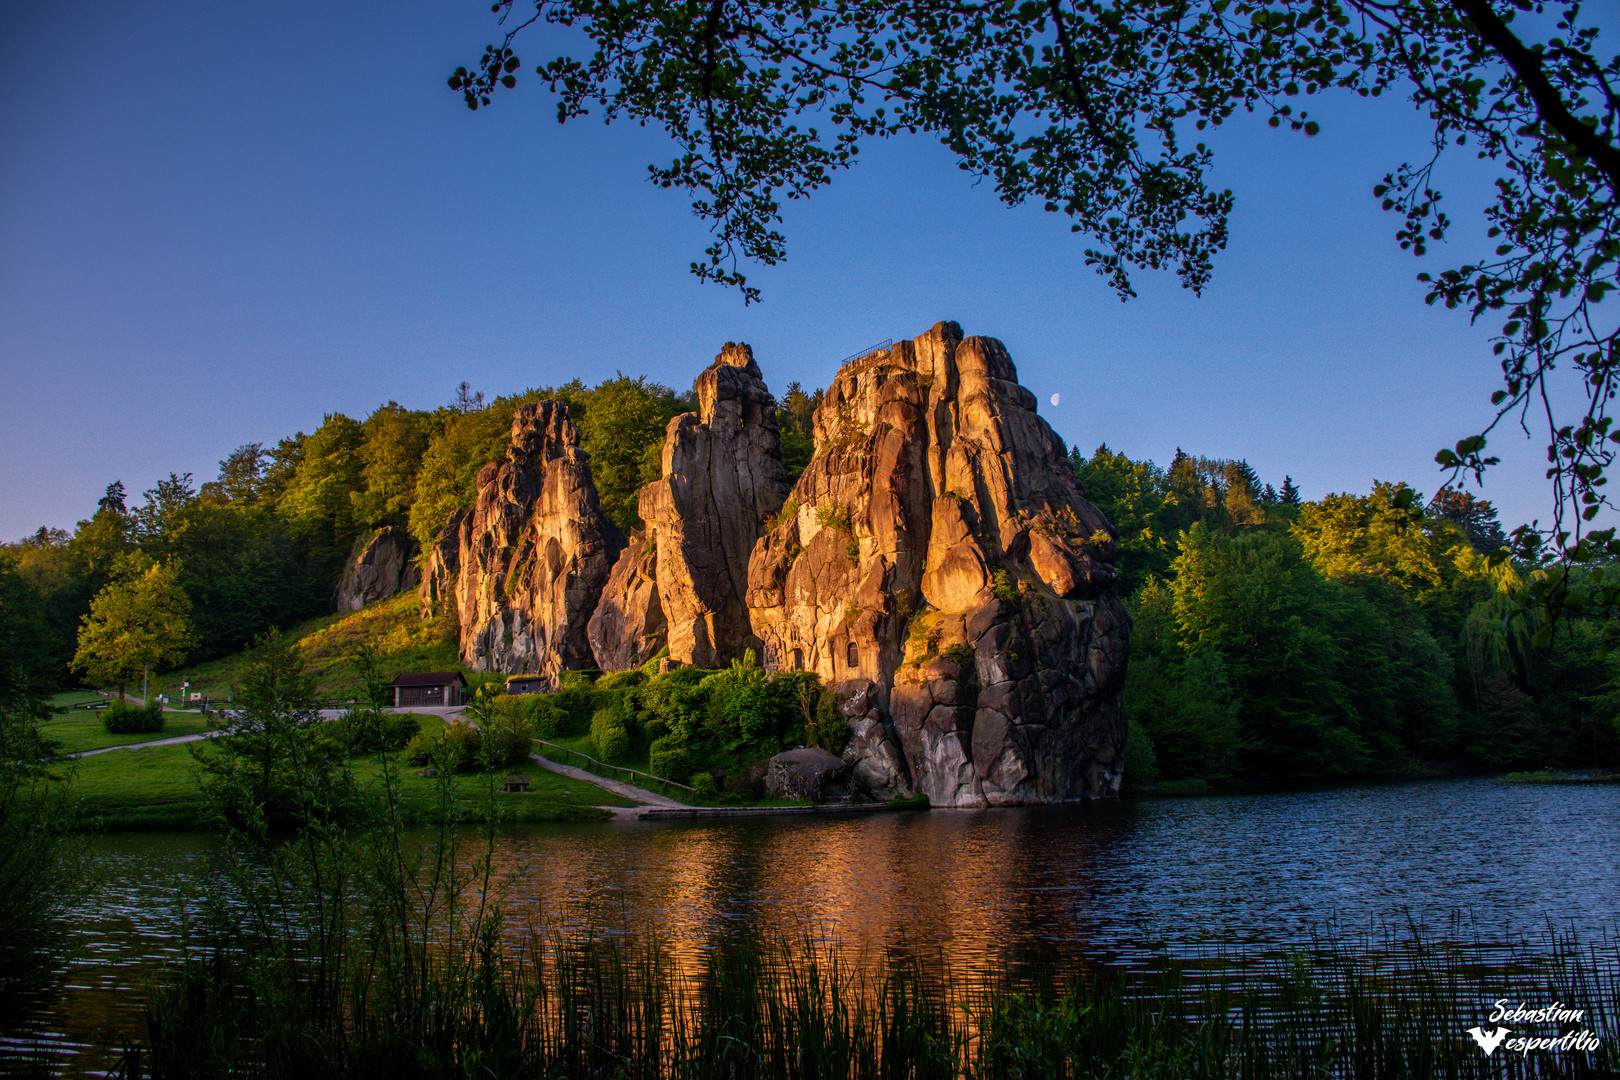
157	788
403	640
77	730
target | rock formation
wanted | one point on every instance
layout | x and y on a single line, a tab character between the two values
628	627
384	566
443	568
936	563
722	479
940	566
534	553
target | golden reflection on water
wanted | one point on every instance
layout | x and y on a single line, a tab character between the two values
963	890
965	886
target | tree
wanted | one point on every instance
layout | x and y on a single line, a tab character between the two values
1477	517
241	476
393	440
317	498
143	617
35	870
1289	495
265	770
1091	108
623	430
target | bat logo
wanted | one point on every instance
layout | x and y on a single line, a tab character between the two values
1490	1042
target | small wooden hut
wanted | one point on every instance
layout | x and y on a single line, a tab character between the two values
429	688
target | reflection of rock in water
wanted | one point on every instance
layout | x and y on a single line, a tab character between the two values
1088	884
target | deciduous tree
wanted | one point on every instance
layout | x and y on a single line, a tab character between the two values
143	617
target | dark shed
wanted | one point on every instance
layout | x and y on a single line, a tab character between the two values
526	684
429	688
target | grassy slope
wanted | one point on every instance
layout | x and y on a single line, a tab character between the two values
403	640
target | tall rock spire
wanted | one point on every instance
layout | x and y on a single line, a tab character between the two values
534	553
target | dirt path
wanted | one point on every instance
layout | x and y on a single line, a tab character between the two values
629	791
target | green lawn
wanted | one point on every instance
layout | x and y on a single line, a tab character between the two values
76	730
157	788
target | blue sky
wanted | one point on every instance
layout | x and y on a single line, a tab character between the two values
219	222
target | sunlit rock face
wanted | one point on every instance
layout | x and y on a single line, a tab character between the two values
534	553
442	568
384	565
721	481
628	627
942	568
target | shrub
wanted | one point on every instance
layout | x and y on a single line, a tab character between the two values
1005	590
463	743
550	720
419	751
669	760
400	728
608	735
620	679
577	702
704	784
829	729
122	719
831	515
746	783
789	511
507	739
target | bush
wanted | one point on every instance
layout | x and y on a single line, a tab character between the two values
549	720
609	736
705	785
368	732
464	742
670	760
508	739
400	728
829	729
620	679
419	751
122	719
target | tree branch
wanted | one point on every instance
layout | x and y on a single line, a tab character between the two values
1526	64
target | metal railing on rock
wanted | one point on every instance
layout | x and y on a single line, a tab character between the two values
886	343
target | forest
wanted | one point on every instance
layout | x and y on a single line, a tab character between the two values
1275	640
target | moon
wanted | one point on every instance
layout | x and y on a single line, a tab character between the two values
1054	399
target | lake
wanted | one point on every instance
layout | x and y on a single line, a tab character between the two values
1091	884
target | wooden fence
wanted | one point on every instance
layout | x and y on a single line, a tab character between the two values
610	770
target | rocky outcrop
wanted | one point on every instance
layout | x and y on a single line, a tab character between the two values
534	553
808	774
442	568
384	566
628	627
722	480
937	562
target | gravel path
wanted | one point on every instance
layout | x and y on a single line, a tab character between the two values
629	791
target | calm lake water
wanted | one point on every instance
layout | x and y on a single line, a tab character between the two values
1092	884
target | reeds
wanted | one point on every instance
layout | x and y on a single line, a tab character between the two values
598	1006
353	949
